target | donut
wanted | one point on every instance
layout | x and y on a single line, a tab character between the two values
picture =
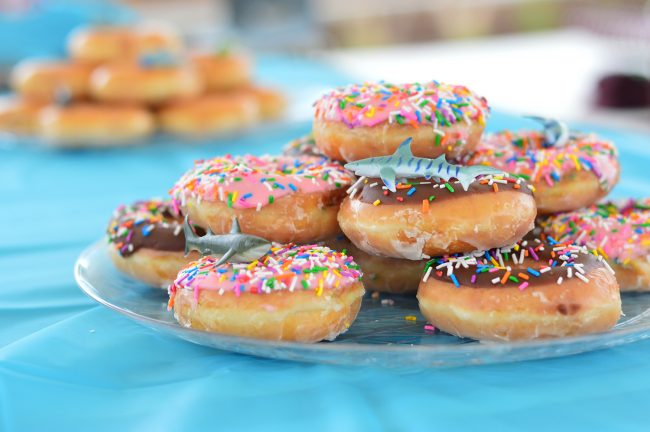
19	116
104	44
566	176
209	114
223	70
272	103
381	274
372	119
146	241
42	80
425	218
617	230
283	199
416	209
295	293
303	146
536	288
145	84
87	124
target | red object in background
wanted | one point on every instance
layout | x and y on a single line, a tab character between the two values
623	91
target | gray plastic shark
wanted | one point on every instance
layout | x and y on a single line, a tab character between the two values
233	247
556	133
402	164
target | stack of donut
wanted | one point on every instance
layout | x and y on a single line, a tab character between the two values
121	84
400	180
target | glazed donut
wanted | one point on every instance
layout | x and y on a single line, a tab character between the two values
93	124
372	119
209	114
425	218
19	116
303	293
272	103
303	146
105	44
381	274
42	80
566	177
534	289
619	231
223	70
146	241
150	84
282	199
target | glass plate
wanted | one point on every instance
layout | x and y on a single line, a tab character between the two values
381	334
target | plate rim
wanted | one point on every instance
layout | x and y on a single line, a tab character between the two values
614	337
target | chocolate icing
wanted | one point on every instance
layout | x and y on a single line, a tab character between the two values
156	227
542	247
373	190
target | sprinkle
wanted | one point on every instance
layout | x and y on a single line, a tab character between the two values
410	318
376	202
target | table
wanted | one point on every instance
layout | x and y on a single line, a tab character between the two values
67	364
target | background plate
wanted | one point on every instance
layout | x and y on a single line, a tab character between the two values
380	335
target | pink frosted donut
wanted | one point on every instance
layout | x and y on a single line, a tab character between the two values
619	231
373	119
283	199
297	293
565	177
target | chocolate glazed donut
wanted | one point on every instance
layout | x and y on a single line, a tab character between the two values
424	218
146	241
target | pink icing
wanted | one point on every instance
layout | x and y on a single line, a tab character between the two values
250	181
285	268
523	154
431	103
619	229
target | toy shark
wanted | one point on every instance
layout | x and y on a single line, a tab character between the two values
402	164
234	247
556	133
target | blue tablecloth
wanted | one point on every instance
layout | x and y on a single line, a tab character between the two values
68	364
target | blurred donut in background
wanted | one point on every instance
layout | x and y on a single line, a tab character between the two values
19	116
210	114
224	70
103	44
94	125
42	80
134	83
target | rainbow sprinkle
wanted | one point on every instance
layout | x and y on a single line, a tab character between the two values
254	182
505	266
144	216
430	103
523	154
285	268
618	230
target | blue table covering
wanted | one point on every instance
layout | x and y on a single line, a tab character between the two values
68	364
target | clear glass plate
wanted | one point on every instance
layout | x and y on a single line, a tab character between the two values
381	335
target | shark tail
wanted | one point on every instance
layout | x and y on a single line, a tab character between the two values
190	236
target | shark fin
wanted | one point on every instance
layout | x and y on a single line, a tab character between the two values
235	226
404	149
229	253
468	174
190	236
209	232
387	175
